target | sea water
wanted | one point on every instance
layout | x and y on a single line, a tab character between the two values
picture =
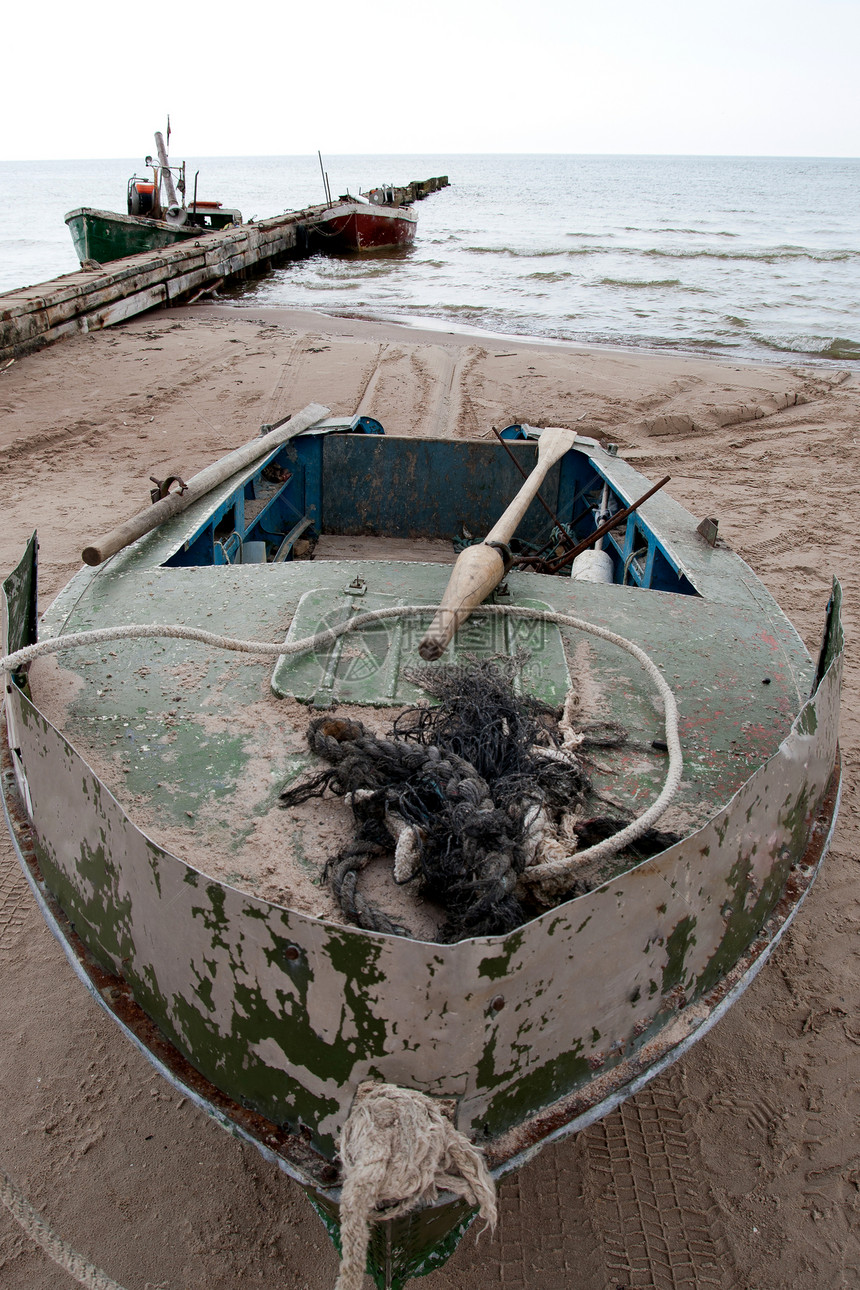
747	257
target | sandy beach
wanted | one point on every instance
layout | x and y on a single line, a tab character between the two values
740	1167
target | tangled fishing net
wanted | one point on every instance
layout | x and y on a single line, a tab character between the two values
464	792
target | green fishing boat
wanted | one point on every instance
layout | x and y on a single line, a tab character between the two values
157	215
154	778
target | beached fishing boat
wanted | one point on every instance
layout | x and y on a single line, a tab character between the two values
362	224
144	779
156	215
379	220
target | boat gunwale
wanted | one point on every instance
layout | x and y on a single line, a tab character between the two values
661	516
506	1153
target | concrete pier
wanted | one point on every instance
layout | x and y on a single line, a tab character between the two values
95	298
90	299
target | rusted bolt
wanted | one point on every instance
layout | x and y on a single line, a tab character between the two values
497	1004
292	953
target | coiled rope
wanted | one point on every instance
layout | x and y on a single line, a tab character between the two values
398	1149
548	879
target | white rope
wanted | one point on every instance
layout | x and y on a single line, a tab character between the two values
398	1149
548	879
40	1231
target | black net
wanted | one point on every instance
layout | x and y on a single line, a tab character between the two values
466	779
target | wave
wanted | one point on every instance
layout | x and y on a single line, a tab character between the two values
734	338
642	282
323	284
646	340
775	255
765	255
687	232
467	311
692	343
517	254
838	347
549	275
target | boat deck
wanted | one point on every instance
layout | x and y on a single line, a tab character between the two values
141	708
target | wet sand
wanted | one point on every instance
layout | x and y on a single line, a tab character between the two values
738	1168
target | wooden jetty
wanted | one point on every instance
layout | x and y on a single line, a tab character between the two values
416	190
99	297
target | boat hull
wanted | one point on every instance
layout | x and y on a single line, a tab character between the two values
416	1244
404	1006
104	236
107	235
273	1017
362	226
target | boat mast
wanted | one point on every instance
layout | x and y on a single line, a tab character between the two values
166	176
326	188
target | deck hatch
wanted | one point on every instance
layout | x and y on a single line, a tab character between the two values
371	666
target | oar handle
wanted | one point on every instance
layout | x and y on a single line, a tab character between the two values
479	569
552	445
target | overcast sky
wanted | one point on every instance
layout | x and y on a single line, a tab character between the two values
754	77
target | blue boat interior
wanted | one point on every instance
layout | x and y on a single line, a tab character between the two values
421	489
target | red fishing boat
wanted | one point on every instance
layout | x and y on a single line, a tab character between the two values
380	219
362	224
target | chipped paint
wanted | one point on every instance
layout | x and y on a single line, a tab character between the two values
286	1014
294	1037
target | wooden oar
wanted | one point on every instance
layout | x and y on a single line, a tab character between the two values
200	484
479	569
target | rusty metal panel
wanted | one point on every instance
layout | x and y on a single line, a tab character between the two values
423	488
20	609
18	628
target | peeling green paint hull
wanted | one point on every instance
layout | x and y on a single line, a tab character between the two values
104	236
272	1018
290	1013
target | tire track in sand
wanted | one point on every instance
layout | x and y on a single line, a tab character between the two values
653	1209
14	901
429	380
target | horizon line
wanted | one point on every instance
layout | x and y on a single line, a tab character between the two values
275	156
